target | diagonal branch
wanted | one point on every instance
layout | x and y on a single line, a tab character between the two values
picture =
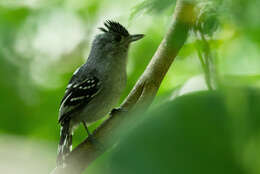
141	95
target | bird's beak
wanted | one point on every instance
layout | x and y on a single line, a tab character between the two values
136	37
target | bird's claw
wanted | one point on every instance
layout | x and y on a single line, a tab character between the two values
117	111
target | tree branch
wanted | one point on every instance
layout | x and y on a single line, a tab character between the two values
141	95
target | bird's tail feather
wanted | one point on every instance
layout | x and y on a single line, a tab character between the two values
65	144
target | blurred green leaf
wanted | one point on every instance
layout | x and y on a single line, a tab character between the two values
207	21
152	6
199	133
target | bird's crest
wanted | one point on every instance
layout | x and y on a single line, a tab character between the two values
114	27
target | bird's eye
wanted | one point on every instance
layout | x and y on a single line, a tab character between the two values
118	38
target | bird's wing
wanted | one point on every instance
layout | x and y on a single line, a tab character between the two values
77	95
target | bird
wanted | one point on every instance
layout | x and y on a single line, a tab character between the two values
96	86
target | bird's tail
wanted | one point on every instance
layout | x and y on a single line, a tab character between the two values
65	144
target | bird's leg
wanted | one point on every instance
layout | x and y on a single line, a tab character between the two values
91	138
86	127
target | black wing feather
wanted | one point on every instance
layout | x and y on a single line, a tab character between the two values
78	94
82	91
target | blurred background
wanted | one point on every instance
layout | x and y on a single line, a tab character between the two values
42	42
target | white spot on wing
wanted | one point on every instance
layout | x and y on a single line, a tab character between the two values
87	87
77	98
76	85
77	70
69	85
61	106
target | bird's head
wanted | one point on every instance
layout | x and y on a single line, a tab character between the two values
115	38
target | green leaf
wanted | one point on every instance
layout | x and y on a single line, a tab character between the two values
207	21
200	133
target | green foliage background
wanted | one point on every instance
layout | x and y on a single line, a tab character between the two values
42	42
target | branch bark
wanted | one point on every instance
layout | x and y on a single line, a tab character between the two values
141	95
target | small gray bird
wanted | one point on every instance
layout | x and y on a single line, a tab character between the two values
96	86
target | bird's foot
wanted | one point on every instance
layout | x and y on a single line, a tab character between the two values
117	111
